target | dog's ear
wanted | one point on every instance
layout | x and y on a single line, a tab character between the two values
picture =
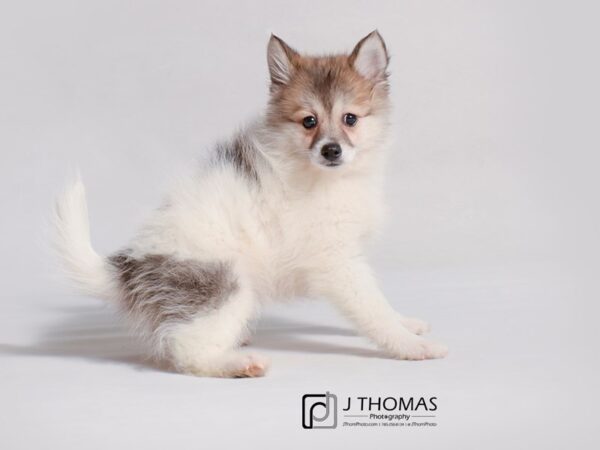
280	57
370	58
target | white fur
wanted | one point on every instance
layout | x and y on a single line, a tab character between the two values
89	271
299	231
206	346
290	237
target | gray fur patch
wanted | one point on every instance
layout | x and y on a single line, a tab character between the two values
158	288
242	154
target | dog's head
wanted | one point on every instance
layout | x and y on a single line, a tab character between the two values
328	110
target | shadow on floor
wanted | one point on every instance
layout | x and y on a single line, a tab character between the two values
86	332
282	334
96	333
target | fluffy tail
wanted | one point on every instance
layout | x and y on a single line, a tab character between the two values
89	271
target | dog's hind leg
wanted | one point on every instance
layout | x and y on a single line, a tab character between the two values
207	346
196	313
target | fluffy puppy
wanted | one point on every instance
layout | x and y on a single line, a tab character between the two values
279	210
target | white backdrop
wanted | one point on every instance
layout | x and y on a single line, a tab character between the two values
493	171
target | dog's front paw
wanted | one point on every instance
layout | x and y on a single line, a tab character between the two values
416	326
419	349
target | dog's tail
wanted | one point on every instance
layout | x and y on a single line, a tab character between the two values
90	272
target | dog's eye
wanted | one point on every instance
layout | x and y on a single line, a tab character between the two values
309	122
350	119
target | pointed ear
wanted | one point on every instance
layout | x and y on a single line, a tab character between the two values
280	57
369	58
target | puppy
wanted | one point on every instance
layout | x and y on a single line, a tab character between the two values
281	209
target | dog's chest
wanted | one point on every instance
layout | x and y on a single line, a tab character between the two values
306	224
304	233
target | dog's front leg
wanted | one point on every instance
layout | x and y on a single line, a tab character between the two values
352	288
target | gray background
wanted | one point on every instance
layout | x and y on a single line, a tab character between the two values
493	232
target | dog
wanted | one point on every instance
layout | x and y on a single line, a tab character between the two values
282	209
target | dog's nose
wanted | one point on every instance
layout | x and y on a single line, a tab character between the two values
331	151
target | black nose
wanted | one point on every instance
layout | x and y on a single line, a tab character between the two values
331	152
